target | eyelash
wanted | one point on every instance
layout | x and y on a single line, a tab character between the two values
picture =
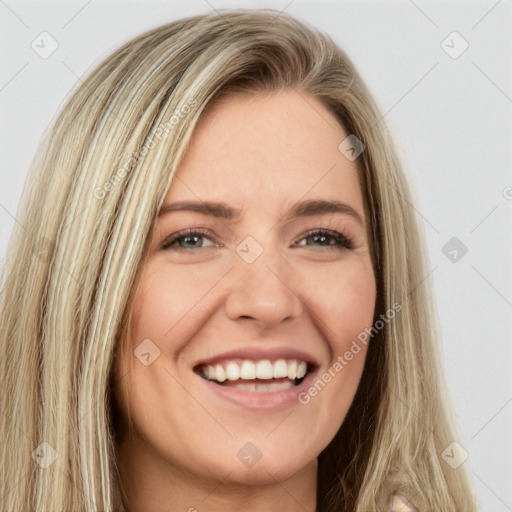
343	242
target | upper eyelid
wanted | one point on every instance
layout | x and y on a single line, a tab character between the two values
206	233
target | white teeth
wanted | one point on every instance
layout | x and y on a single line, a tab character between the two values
302	369
280	369
292	369
251	370
246	387
220	374
232	371
248	370
262	388
264	369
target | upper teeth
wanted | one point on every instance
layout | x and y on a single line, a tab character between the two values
249	370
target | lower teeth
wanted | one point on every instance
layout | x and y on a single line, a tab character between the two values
262	388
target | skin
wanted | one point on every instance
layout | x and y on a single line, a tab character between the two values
260	153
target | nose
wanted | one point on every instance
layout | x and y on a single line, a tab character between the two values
264	293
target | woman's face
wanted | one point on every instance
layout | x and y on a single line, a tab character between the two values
260	270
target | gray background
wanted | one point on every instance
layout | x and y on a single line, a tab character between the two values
450	117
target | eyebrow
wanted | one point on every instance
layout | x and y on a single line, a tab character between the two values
304	208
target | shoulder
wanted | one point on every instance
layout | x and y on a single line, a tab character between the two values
399	502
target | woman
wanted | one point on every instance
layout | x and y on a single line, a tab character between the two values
217	298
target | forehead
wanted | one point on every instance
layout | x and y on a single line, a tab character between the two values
267	148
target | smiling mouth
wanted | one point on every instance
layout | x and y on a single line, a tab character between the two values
258	376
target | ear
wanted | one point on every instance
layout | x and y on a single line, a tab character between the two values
399	502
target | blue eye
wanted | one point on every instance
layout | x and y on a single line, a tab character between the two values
195	239
189	239
325	238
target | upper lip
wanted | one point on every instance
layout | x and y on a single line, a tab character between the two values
259	353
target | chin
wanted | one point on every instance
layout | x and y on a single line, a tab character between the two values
262	462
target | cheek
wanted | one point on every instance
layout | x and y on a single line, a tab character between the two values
344	308
345	303
167	301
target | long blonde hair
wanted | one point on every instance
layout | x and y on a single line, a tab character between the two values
85	218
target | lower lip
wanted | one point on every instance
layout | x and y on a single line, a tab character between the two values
261	400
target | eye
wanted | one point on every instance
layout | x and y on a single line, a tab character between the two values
189	239
199	238
325	238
